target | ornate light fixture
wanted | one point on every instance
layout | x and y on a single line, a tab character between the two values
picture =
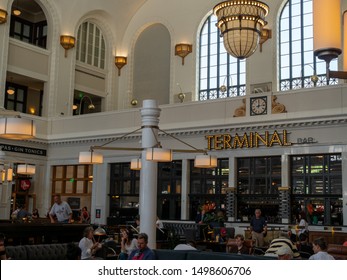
327	34
241	23
3	16
120	61
26	169
67	42
182	50
17	128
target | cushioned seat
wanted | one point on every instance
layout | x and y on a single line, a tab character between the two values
339	252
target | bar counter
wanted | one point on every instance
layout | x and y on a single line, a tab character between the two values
40	232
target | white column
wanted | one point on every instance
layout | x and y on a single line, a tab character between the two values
344	188
184	190
148	177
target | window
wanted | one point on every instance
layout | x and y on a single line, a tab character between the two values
29	32
169	190
16	101
124	192
90	45
24	99
297	62
85	103
258	180
208	186
317	188
218	68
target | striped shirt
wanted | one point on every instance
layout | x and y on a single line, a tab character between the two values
281	241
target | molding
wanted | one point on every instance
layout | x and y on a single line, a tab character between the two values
196	132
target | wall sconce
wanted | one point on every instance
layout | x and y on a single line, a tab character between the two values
327	34
26	169
6	174
265	35
67	42
3	16
240	23
182	50
120	61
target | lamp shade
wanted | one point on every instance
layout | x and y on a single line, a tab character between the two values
17	128
327	28
90	157
99	231
240	23
159	154
205	161
26	169
135	164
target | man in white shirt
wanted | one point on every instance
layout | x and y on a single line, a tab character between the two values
61	211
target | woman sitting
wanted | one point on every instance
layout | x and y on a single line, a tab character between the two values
128	244
88	244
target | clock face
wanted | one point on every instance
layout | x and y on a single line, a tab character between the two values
258	105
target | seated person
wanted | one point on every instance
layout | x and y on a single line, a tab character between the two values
304	246
285	253
189	246
240	248
282	240
143	252
128	244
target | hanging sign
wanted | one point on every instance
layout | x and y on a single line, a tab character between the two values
25	184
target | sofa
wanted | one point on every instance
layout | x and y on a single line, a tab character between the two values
166	254
339	252
55	251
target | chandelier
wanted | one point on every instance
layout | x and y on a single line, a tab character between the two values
241	23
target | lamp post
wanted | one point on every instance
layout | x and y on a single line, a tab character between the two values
148	178
91	106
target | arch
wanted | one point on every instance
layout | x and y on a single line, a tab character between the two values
153	44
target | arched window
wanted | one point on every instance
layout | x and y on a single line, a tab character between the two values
90	45
218	68
297	62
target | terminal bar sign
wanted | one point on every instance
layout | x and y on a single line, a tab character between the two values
247	140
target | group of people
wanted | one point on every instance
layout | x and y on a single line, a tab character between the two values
61	212
288	245
21	213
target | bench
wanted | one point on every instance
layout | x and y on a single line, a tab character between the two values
339	252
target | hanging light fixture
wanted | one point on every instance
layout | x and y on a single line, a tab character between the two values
136	164
26	169
90	157
205	161
159	154
241	23
16	10
327	40
156	154
17	128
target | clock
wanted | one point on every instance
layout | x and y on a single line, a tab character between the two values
258	105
